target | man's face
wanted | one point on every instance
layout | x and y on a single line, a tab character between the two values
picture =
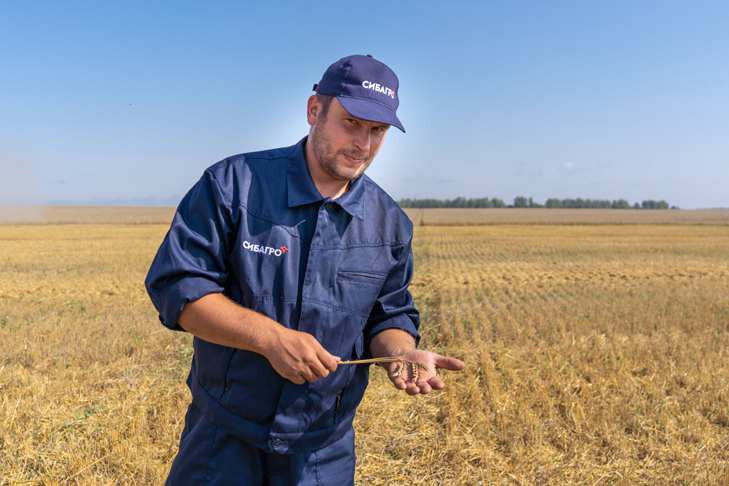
344	145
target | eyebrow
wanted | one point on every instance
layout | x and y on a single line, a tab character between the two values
375	124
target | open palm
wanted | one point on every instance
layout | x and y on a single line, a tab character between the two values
426	378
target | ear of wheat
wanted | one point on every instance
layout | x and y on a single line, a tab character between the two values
412	368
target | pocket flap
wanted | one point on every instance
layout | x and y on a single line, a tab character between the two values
360	276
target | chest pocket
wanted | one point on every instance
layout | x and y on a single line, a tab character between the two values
357	290
266	258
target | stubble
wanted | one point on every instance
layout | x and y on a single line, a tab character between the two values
327	157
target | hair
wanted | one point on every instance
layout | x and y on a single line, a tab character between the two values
324	101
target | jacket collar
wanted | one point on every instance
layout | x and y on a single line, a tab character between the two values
301	190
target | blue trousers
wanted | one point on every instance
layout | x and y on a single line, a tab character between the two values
210	456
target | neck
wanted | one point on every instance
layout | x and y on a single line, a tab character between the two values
327	185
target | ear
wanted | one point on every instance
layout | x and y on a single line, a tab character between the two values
313	108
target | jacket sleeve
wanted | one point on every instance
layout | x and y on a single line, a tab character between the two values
394	308
191	261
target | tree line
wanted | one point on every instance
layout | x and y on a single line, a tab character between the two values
528	202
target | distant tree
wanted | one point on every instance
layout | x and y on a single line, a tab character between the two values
529	202
532	204
620	204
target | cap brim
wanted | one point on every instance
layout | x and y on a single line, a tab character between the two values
371	111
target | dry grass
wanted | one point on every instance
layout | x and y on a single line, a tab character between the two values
595	355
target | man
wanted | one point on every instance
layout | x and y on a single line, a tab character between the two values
282	263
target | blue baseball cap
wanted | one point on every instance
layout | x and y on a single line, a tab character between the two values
365	87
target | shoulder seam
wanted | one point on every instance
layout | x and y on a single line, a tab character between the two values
286	153
218	187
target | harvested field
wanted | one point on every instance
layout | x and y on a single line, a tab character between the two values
595	354
86	214
421	217
448	217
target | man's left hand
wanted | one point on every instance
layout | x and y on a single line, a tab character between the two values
428	378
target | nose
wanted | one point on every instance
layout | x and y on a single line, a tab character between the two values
362	139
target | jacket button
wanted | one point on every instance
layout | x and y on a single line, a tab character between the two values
277	445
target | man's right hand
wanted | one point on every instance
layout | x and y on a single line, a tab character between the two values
298	356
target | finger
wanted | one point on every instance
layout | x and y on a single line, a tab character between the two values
399	383
329	361
297	379
424	387
412	389
308	376
422	381
436	383
448	363
395	379
319	371
317	368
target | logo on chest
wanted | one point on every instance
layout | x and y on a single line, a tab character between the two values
266	250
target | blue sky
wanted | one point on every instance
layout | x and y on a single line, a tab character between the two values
120	101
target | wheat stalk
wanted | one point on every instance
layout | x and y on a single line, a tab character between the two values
412	367
384	359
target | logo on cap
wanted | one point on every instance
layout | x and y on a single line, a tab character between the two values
379	88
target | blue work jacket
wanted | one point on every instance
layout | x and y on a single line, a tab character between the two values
255	228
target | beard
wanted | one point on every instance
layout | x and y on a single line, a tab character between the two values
330	160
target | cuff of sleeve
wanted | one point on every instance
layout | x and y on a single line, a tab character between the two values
186	290
398	322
